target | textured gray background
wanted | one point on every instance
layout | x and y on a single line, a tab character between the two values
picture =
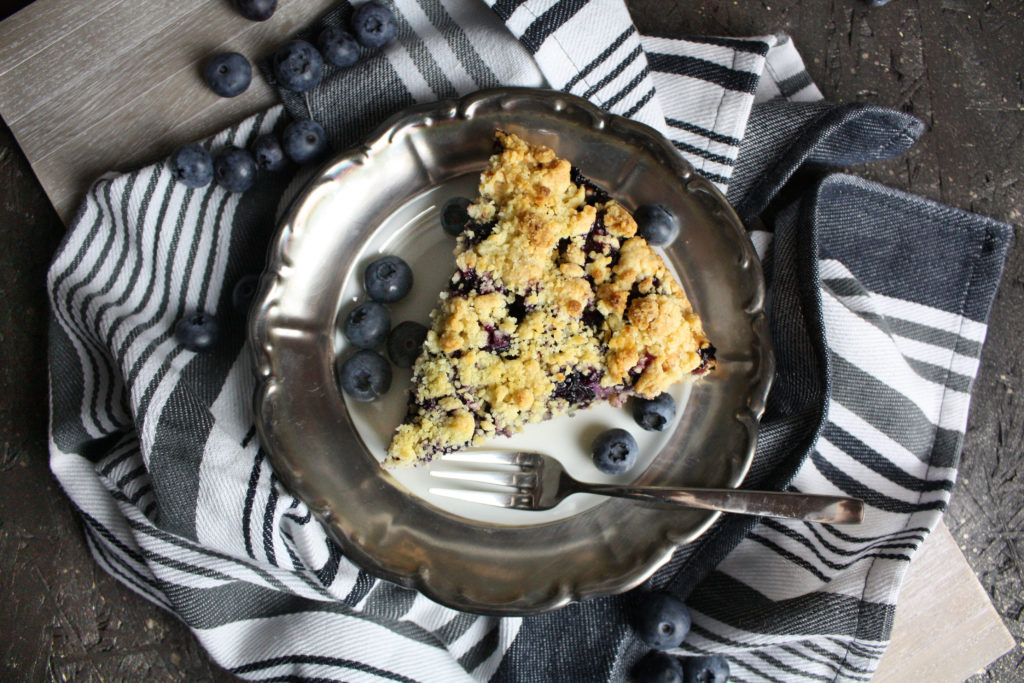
957	64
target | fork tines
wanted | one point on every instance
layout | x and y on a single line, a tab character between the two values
495	498
517	458
518	472
511	478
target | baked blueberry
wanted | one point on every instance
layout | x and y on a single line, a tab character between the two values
197	331
663	620
304	141
654	414
244	292
338	47
405	343
374	25
655	224
234	169
228	74
365	376
657	667
578	388
367	324
192	165
454	217
257	10
709	669
593	194
298	66
878	3
614	451
388	279
268	153
708	360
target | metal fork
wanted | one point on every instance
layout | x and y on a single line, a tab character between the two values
535	481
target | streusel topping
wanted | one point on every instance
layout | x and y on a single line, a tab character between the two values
555	303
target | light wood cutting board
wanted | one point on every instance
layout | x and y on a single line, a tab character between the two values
89	87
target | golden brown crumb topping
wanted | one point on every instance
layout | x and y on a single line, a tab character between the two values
560	294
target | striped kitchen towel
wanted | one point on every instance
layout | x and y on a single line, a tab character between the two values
878	302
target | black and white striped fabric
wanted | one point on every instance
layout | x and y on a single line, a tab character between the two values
156	447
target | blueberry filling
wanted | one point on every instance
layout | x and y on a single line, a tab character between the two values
471	403
595	195
707	357
592	245
579	388
476	232
517	309
497	341
593	319
634	292
563	247
466	282
638	369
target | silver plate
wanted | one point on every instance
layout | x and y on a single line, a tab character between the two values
480	565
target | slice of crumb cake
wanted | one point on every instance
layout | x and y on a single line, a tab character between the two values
555	304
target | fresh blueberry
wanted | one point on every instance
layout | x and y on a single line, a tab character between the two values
304	141
655	224
454	217
257	10
228	74
662	621
388	279
367	324
192	165
244	292
268	153
365	376
234	169
298	66
197	331
654	414
878	3
405	342
374	25
338	47
657	667
614	451
709	669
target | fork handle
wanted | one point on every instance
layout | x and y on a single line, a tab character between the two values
802	506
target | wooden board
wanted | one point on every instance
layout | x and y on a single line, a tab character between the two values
135	93
945	628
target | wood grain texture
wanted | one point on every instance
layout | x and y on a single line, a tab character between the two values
136	93
940	588
26	33
110	84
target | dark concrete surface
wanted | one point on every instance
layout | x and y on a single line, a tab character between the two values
957	64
